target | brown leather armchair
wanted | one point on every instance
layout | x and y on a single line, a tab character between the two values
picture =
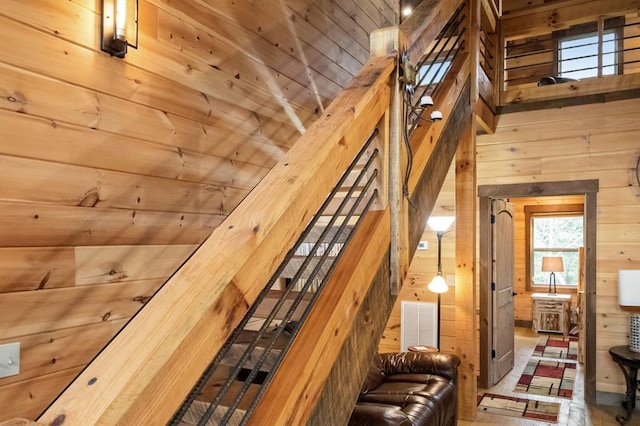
409	388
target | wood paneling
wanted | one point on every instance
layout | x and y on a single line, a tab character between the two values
217	286
29	398
33	312
602	151
115	170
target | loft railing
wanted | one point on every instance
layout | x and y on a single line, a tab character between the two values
488	55
586	52
144	374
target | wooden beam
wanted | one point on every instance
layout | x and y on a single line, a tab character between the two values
489	16
484	116
560	15
168	344
539	189
517	98
343	385
466	321
424	24
390	41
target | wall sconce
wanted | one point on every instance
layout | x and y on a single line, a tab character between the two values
629	295
119	26
414	107
438	284
552	264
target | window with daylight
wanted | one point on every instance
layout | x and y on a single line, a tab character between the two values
433	73
554	231
579	55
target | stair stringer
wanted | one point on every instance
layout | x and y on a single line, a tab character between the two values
343	385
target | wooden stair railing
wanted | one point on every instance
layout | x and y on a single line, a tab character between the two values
320	377
143	375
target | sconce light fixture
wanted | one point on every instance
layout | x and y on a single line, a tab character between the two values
414	105
629	295
552	264
438	284
119	26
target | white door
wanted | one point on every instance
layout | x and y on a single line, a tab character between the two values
502	288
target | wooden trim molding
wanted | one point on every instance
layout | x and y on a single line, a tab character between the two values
531	211
590	189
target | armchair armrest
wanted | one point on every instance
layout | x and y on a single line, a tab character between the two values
445	365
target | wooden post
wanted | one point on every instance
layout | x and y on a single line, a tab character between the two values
391	41
466	319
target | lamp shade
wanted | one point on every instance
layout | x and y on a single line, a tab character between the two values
438	285
552	264
440	223
629	287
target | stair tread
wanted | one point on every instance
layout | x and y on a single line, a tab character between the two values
198	408
211	389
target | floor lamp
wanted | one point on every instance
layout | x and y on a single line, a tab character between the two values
438	284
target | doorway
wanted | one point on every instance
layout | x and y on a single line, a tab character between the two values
488	193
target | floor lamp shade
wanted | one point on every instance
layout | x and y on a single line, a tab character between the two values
629	295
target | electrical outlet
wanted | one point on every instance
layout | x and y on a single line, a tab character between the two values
451	280
10	359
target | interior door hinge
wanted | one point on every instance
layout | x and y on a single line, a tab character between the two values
493	286
493	218
493	353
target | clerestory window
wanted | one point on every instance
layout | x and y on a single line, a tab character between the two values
580	54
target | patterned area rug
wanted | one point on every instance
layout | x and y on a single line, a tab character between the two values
518	407
549	378
557	347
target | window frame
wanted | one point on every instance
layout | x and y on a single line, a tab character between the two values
547	210
616	24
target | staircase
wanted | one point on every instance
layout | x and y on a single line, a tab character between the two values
217	303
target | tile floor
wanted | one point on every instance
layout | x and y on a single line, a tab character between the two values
572	413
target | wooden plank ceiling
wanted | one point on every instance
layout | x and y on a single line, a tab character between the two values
114	170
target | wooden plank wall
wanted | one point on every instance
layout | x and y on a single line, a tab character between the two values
597	141
423	268
114	170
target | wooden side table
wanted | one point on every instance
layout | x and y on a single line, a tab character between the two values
551	312
629	362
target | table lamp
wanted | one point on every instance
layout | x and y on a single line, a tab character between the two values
552	264
629	295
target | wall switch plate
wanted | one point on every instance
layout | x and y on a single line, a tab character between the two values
10	359
451	280
423	245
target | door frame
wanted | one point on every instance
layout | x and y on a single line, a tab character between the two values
588	188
